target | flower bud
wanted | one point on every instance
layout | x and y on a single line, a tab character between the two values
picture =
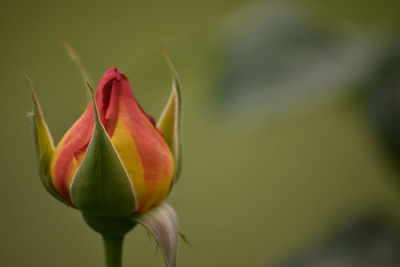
113	161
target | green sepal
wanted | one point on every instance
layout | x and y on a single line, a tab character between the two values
162	222
170	120
44	145
101	185
78	63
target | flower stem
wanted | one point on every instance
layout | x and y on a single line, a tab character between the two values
113	231
113	250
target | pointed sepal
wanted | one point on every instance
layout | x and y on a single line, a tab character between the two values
44	145
77	60
162	222
169	122
101	185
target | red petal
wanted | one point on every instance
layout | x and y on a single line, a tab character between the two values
69	151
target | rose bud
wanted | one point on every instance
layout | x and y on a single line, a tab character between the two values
113	161
115	164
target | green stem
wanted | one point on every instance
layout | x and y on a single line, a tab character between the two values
113	231
113	250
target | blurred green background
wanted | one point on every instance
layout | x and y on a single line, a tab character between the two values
254	189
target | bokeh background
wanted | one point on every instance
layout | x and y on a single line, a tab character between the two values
291	126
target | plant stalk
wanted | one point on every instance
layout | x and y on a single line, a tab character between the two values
113	231
113	250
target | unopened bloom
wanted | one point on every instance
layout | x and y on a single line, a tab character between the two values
114	160
115	164
145	155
